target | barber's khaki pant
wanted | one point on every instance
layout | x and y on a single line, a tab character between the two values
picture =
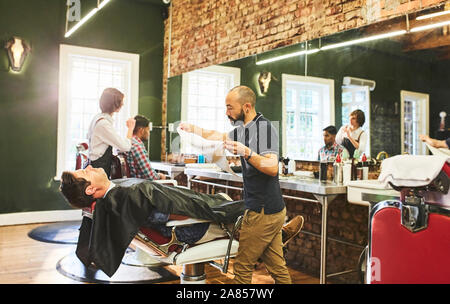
260	237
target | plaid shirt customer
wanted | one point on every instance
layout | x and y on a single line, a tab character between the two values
139	162
325	153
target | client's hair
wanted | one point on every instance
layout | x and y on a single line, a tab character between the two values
74	189
331	129
141	122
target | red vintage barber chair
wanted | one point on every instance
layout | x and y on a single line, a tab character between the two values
409	240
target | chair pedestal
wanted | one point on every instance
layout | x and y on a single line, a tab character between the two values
193	274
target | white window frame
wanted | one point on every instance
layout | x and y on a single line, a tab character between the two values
236	72
367	124
65	52
424	100
315	80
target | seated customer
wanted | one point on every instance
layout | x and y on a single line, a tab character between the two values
331	148
124	205
137	157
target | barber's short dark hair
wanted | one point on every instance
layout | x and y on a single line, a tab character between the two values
360	117
331	129
74	190
141	122
111	100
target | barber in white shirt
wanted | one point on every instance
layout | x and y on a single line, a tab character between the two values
102	135
351	136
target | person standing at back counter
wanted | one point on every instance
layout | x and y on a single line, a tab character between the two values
255	140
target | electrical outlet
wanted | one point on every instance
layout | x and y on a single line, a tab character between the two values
171	127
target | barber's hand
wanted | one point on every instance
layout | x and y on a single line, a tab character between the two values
347	131
187	127
131	122
162	176
424	137
236	148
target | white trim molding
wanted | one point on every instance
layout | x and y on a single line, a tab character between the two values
23	218
328	112
64	79
424	100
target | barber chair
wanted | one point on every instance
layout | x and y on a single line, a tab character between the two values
152	248
82	159
409	239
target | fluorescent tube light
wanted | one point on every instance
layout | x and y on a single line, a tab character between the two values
429	26
361	40
81	22
433	15
287	56
104	2
86	18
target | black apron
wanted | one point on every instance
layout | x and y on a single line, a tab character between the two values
347	144
105	161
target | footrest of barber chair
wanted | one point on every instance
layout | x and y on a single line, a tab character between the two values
206	252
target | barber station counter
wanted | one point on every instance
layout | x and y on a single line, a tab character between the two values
324	192
171	169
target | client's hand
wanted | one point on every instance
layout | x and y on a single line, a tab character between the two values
162	176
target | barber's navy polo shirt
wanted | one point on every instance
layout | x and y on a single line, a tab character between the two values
260	190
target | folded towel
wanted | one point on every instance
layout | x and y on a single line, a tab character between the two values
411	170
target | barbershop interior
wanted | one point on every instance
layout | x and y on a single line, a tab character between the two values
354	96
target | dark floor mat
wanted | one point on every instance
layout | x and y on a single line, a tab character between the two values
70	266
60	233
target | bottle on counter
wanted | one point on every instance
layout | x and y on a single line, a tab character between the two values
355	164
365	167
286	166
338	170
291	166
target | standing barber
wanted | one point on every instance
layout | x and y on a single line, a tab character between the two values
255	140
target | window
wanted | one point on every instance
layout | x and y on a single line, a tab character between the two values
308	107
357	97
203	97
84	74
414	121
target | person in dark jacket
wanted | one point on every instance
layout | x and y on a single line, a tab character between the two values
124	205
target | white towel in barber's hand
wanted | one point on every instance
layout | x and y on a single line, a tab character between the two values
411	170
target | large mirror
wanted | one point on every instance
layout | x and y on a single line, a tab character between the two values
397	72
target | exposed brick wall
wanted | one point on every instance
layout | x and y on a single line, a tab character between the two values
208	32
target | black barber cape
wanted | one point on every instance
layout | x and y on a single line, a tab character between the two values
127	206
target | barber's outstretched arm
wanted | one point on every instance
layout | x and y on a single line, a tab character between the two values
207	134
267	164
433	142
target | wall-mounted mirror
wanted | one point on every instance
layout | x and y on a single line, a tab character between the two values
397	72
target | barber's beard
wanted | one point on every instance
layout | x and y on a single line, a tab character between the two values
238	121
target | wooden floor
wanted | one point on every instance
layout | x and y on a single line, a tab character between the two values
27	261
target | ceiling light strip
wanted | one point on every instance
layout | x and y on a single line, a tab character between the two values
287	56
86	18
433	15
361	40
429	26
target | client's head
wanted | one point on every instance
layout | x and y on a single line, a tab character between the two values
82	187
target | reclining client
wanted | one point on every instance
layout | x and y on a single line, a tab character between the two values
123	206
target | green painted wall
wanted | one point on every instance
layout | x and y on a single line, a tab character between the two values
29	100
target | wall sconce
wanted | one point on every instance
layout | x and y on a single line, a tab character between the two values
264	81
17	50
